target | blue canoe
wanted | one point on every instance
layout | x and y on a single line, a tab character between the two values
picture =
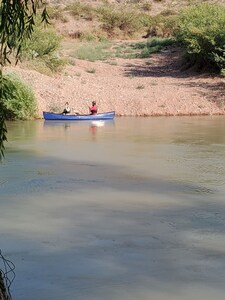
102	116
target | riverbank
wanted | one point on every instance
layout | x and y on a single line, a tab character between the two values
155	86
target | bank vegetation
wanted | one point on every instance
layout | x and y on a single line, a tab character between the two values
125	29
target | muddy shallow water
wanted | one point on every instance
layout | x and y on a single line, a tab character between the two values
130	209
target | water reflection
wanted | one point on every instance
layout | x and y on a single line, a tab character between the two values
92	126
97	123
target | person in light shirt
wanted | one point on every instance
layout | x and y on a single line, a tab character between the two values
66	109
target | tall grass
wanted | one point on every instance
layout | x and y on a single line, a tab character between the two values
92	51
153	45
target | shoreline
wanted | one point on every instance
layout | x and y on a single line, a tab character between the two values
158	115
154	86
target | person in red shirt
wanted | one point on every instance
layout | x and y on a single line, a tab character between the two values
93	109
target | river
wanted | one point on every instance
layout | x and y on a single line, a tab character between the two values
123	210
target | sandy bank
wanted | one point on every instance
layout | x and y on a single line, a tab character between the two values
137	87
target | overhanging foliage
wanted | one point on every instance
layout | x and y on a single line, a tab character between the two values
16	24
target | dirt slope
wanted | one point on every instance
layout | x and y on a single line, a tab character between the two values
132	87
137	87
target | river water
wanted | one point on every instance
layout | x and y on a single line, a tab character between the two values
124	210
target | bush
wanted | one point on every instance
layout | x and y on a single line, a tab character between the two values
42	49
145	20
78	9
97	35
201	31
146	6
163	25
43	42
57	13
18	98
126	21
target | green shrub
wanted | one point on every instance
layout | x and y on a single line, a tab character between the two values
18	98
42	50
146	6
78	9
96	35
54	63
201	31
43	42
145	20
124	20
91	70
57	13
163	25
